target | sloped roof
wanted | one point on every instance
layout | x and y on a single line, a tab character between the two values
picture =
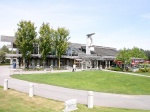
99	50
76	45
105	51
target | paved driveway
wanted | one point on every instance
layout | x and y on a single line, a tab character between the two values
63	94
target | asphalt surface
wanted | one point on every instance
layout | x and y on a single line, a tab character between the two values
62	94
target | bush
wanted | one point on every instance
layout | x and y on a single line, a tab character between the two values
4	64
33	69
58	69
148	70
130	69
111	68
117	69
143	69
138	71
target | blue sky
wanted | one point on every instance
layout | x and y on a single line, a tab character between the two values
116	23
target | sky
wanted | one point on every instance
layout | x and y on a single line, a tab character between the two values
116	23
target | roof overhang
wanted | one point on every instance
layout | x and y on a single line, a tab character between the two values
109	57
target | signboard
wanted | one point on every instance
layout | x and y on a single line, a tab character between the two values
9	46
70	105
7	38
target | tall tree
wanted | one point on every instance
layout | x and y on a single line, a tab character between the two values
61	42
45	40
25	37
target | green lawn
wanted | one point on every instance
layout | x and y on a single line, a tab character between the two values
13	101
146	73
101	81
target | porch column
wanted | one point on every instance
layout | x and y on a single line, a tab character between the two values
38	63
33	63
100	66
67	62
38	50
82	65
86	65
109	64
97	64
55	62
17	63
51	62
106	64
11	62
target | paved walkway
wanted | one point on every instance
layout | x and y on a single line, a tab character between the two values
135	74
63	94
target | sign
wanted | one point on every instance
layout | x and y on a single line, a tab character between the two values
7	38
70	105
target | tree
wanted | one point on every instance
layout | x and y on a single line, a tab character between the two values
45	40
61	42
147	53
2	56
25	37
125	55
137	53
5	49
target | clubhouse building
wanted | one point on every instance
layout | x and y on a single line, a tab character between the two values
84	56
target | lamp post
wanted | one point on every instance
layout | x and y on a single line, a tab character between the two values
89	35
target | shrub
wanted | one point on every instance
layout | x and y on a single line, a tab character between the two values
148	70
111	68
143	69
138	71
117	69
130	69
33	69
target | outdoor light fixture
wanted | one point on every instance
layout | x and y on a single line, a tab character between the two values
88	35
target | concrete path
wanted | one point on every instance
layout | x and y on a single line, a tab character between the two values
63	94
135	74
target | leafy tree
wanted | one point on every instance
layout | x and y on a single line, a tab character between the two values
5	49
137	53
45	40
2	56
61	42
147	52
25	37
125	55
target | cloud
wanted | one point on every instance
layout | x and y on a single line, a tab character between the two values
7	32
146	16
119	39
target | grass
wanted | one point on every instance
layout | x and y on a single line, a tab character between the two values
13	101
101	81
146	73
4	64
